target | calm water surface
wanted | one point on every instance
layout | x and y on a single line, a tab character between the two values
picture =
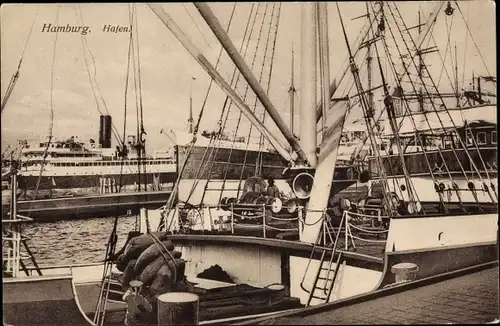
75	241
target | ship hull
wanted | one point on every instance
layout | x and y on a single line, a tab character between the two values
90	206
211	171
455	161
436	244
86	185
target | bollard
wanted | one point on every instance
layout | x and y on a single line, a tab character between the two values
178	308
404	272
278	293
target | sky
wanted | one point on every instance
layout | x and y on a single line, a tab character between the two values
59	79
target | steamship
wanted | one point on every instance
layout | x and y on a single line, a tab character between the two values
69	176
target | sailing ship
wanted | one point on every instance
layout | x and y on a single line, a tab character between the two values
369	241
376	216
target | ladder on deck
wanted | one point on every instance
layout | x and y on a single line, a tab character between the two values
30	256
12	228
326	274
111	291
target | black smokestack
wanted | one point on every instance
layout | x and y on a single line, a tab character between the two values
105	131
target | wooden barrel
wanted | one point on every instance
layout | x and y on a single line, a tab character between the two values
178	308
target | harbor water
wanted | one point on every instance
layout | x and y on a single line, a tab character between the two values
75	241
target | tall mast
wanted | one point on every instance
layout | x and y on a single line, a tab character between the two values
291	92
237	59
456	77
420	68
322	21
369	67
308	98
479	88
224	85
473	87
190	120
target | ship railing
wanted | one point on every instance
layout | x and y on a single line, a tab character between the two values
288	220
366	226
226	219
11	243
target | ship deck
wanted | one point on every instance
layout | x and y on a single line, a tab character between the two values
218	300
472	298
372	251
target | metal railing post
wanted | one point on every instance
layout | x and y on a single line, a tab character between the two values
346	216
232	218
264	218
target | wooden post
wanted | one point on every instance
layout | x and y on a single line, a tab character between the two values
278	293
178	308
264	219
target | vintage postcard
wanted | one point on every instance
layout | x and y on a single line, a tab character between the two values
249	163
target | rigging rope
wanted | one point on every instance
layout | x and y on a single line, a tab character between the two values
364	105
142	130
244	98
431	129
170	200
15	77
204	164
474	41
197	27
111	246
441	199
260	161
93	81
465	47
51	124
443	60
259	155
139	145
471	185
227	106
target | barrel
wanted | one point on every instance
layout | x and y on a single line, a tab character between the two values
178	308
404	272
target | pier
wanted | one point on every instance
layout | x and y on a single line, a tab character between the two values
469	296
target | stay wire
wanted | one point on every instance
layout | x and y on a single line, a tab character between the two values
473	165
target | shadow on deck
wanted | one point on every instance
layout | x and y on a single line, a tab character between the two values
45	300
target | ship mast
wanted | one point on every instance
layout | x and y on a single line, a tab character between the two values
420	66
456	78
369	59
235	56
219	80
190	119
308	98
291	92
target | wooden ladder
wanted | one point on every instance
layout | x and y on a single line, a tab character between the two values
327	272
30	256
111	291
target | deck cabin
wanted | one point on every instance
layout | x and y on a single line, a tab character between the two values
458	139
